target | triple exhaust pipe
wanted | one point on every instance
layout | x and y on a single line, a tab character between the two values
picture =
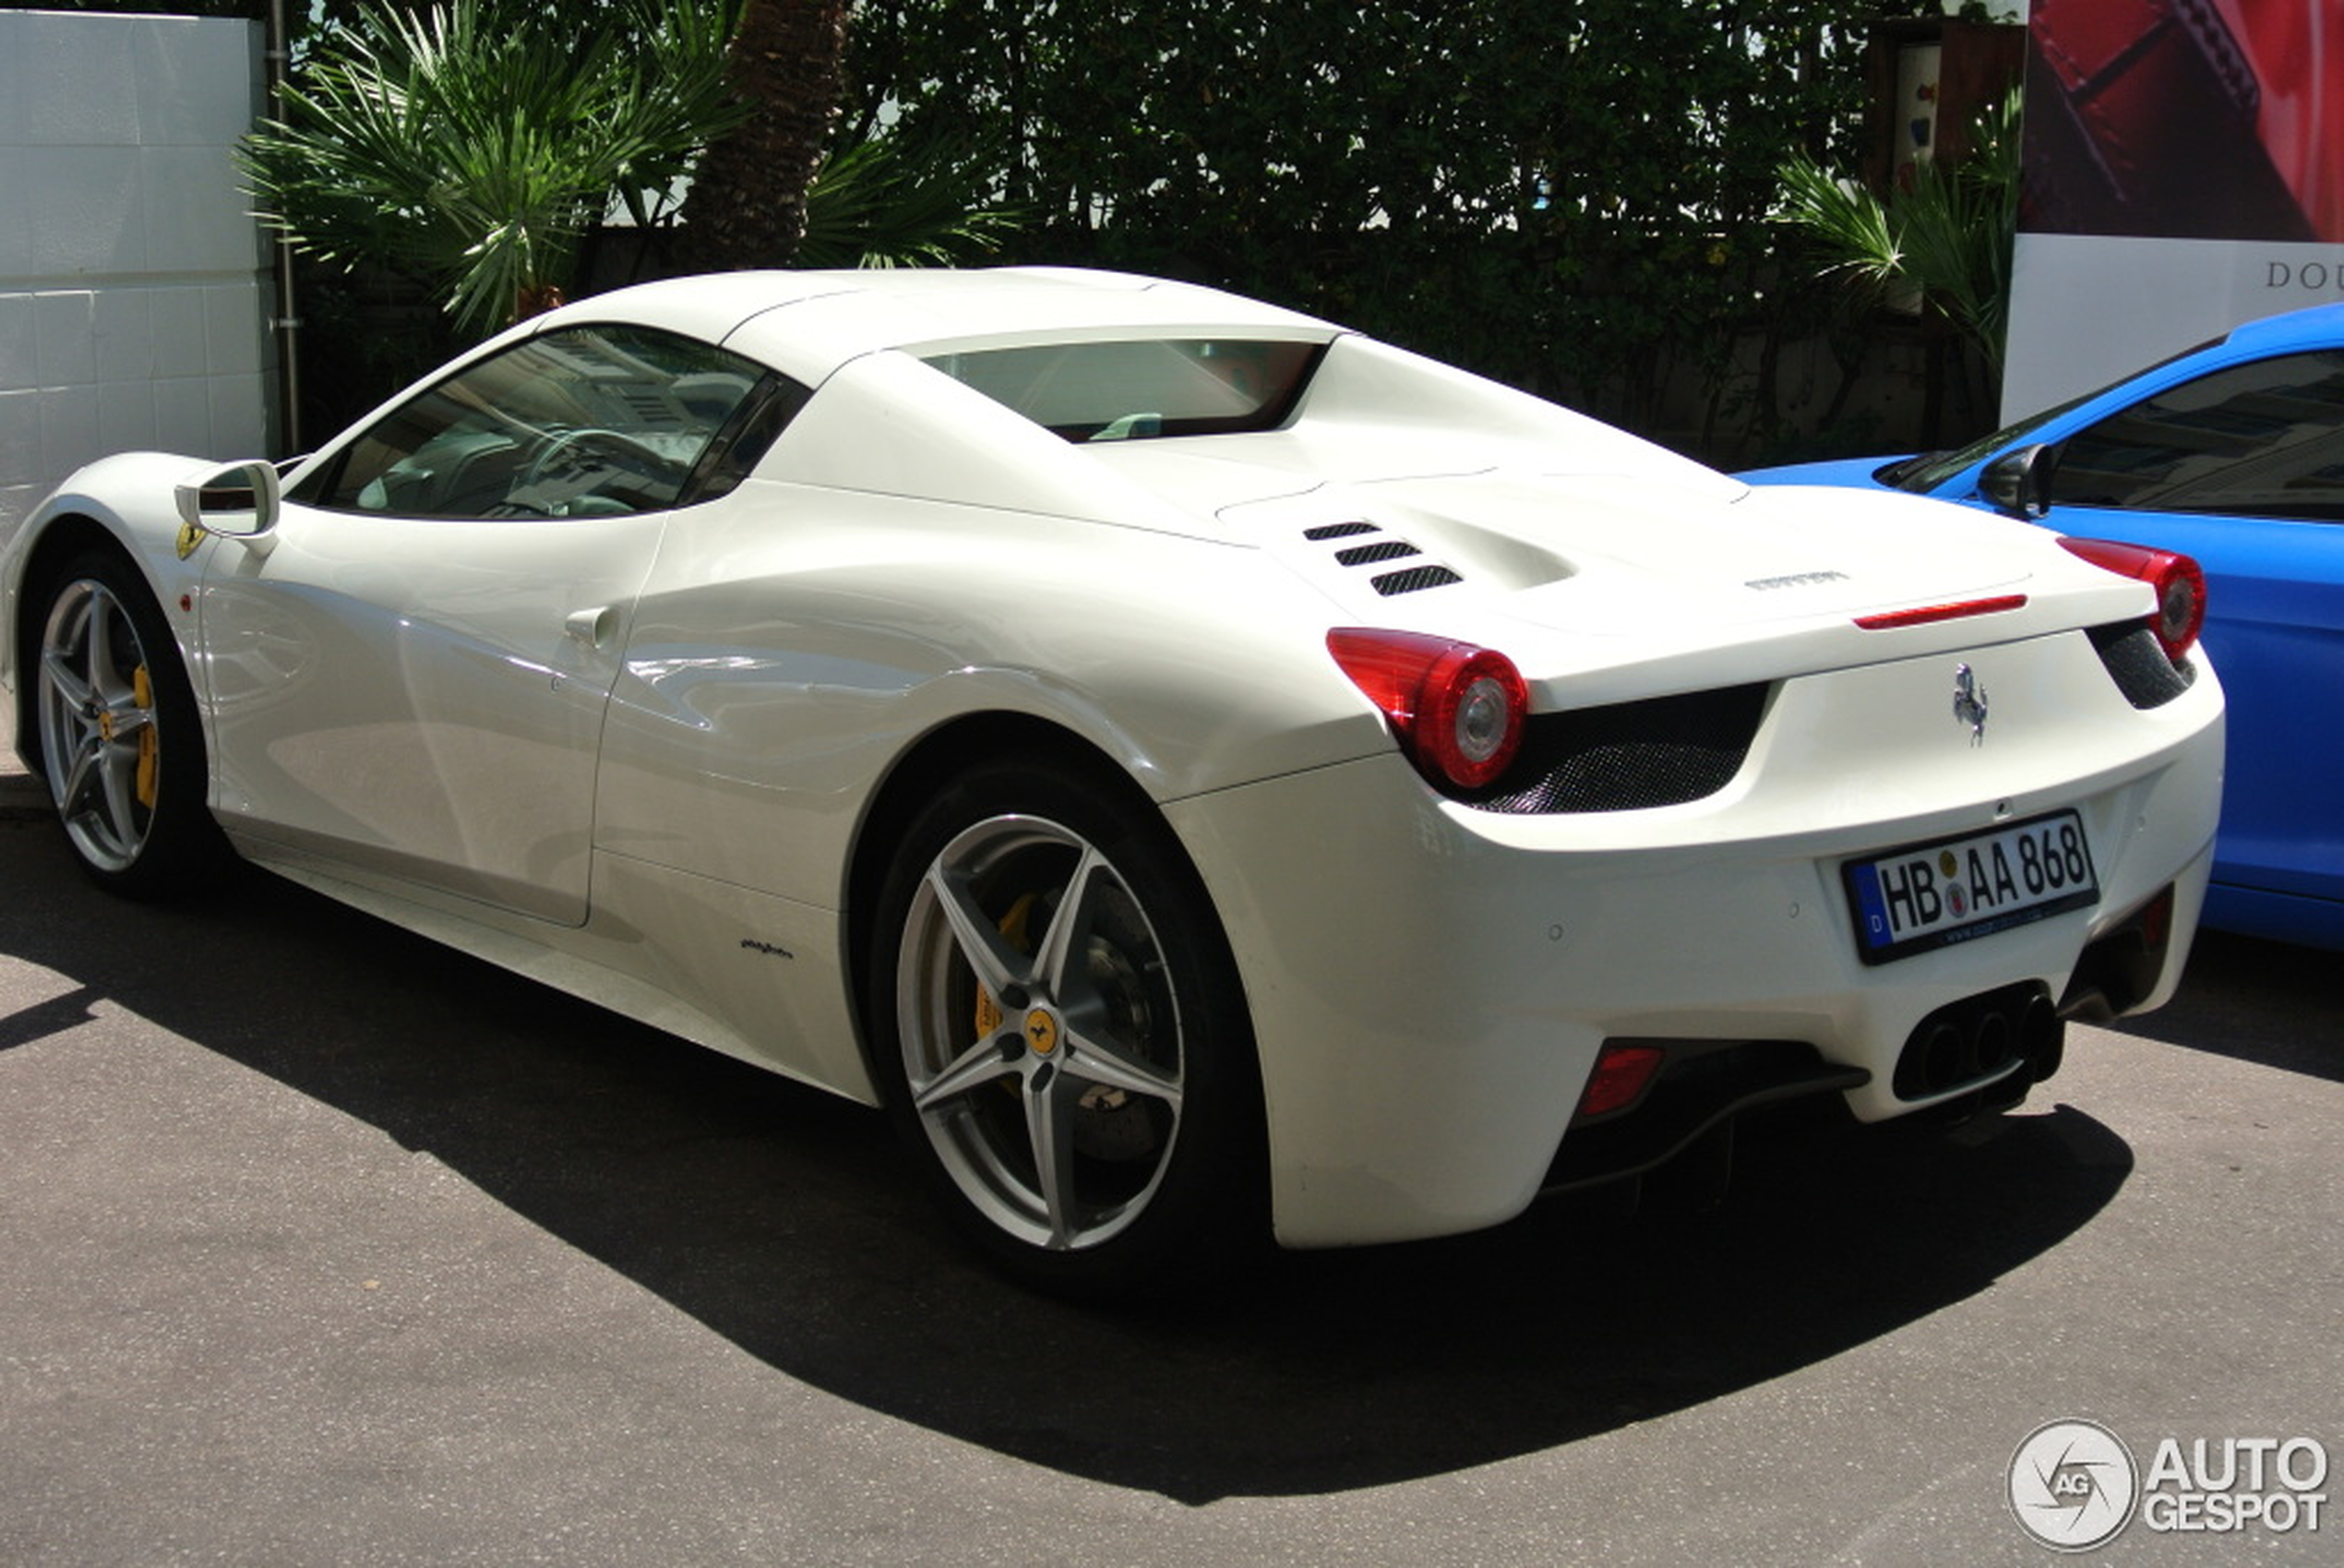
2004	1040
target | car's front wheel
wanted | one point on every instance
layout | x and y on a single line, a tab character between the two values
1056	1005
120	742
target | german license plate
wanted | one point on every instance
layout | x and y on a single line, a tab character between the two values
1956	889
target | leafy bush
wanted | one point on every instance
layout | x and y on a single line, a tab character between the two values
1570	194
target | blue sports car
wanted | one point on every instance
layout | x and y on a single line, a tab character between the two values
2232	454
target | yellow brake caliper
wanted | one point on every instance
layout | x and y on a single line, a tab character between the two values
989	1017
142	692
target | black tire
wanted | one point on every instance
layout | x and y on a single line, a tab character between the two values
121	744
1062	1037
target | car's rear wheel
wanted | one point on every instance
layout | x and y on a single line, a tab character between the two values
120	742
1054	1003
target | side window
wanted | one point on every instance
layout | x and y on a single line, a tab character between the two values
2265	439
586	421
746	435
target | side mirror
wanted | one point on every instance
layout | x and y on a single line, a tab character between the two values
239	501
2019	482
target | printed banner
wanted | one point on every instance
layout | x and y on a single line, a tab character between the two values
2183	172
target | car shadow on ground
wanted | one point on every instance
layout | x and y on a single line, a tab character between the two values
785	1221
2255	1011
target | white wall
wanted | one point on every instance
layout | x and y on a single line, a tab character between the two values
133	291
2089	309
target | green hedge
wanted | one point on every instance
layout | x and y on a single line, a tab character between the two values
1568	195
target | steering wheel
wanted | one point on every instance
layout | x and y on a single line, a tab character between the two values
630	451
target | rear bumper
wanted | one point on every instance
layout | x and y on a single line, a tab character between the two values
1431	985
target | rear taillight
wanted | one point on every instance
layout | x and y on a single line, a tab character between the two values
1457	710
2179	583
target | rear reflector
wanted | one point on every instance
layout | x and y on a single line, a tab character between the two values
1621	1072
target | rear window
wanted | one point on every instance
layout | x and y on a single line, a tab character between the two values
1139	390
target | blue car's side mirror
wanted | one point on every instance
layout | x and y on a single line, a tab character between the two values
2019	482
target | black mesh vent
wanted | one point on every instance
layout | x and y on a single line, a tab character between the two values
1383	550
2136	663
1414	579
1630	755
1338	530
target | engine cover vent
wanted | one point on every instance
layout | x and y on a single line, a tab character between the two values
1382	550
1414	579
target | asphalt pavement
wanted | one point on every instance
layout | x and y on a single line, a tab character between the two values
320	1244
19	791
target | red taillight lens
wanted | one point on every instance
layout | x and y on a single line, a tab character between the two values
1457	709
1621	1071
2179	581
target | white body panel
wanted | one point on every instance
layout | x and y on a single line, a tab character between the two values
423	697
637	757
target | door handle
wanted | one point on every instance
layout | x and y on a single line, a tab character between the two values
592	627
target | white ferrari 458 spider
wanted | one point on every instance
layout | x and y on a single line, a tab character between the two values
1206	771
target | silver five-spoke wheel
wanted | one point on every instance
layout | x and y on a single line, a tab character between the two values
1041	1035
99	740
120	743
1059	1012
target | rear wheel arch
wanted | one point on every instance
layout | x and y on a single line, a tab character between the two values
933	762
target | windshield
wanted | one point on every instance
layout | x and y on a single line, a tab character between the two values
1923	473
1139	390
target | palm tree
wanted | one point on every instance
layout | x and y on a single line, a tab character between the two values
1940	236
896	201
475	141
747	207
